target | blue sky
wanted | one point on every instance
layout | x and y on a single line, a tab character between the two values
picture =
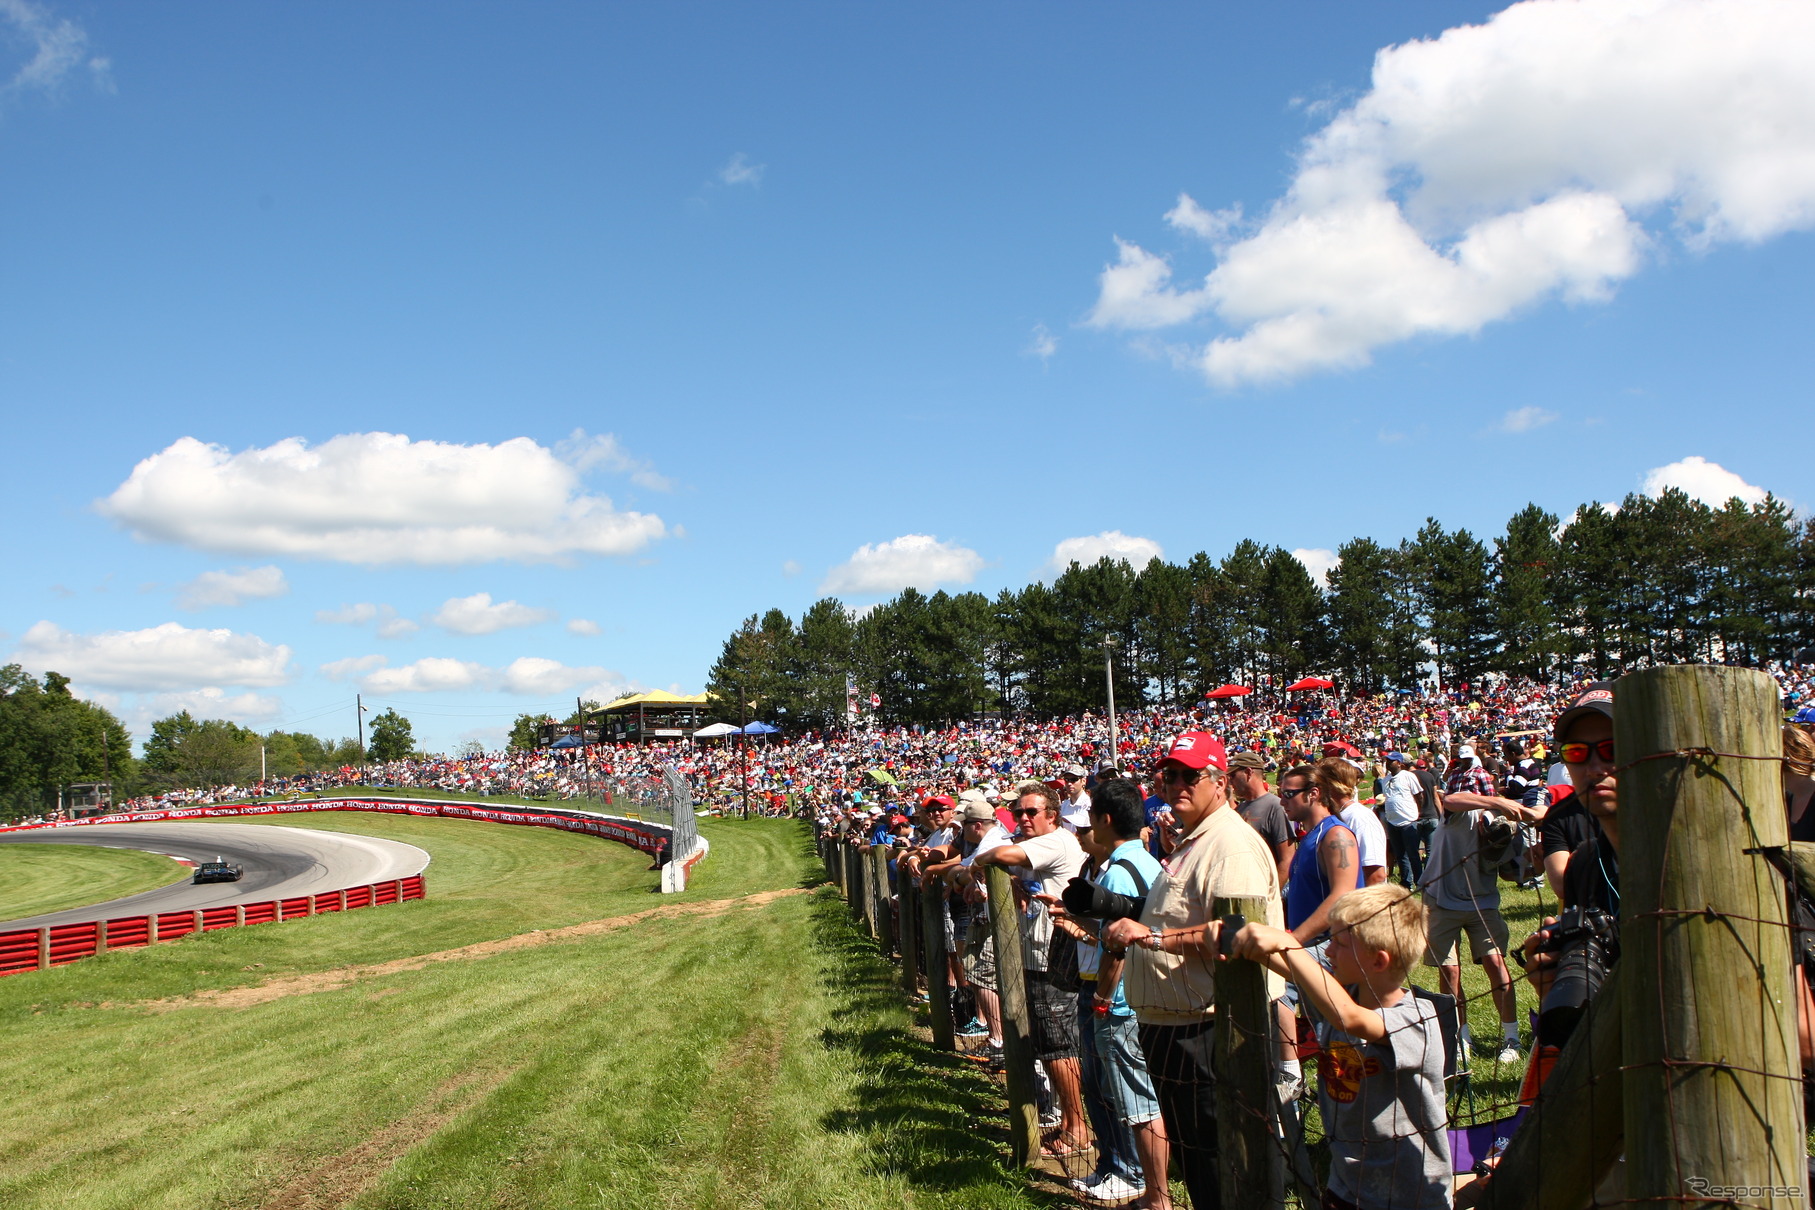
679	312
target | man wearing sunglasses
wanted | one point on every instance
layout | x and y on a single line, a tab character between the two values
1170	976
1048	857
1584	734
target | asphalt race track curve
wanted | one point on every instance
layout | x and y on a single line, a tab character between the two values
279	863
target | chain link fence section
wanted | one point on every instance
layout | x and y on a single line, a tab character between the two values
666	802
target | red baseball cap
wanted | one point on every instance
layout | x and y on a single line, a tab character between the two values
1196	750
938	800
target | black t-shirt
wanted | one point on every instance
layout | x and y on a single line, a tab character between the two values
1566	827
1427	799
1593	877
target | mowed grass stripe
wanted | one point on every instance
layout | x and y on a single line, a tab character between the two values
40	878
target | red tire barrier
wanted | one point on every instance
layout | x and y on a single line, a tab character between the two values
59	945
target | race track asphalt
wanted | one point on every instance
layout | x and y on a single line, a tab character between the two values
279	862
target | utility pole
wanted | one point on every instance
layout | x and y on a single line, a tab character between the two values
359	717
1109	645
743	756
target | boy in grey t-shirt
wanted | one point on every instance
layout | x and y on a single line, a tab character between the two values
1382	1056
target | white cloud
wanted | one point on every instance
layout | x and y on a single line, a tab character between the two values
431	674
169	657
912	560
232	587
351	615
212	702
376	498
1319	562
55	46
738	170
1524	420
1213	225
791	567
397	628
1112	543
1700	479
1497	166
477	615
536	676
1044	344
586	452
582	626
528	675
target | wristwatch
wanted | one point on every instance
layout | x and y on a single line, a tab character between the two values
1152	940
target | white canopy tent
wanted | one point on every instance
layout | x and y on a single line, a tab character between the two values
715	731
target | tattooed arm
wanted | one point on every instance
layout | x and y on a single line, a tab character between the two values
1340	860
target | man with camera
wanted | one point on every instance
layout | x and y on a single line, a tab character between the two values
1171	971
1570	955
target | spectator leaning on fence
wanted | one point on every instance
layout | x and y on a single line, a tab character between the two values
1117	816
1047	857
1463	898
1170	975
1381	1059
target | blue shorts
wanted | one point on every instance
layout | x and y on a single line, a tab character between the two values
1122	1069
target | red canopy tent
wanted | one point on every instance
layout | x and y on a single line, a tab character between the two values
1222	691
1310	682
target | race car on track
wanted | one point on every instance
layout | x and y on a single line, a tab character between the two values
219	870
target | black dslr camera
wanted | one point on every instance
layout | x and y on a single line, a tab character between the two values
1587	943
1083	897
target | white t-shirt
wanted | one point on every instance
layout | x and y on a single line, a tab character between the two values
944	836
1370	835
1053	861
1402	791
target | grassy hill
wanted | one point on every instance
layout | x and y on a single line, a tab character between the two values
742	1049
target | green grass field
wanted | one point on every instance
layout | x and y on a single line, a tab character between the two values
751	1057
39	878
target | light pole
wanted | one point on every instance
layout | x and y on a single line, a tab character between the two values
1110	643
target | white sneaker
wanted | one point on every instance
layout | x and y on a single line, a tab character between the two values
1509	1052
1114	1189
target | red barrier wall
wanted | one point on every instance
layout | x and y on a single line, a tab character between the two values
35	949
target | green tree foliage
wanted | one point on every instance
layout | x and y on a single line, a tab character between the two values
391	737
183	752
526	732
1646	581
50	738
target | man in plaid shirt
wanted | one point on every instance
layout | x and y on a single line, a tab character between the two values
1462	899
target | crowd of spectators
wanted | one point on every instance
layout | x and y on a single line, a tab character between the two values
1116	859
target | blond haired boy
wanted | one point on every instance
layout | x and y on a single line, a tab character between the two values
1381	1062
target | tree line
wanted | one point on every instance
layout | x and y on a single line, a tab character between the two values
51	739
1663	579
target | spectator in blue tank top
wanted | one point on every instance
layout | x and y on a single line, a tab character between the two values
1327	865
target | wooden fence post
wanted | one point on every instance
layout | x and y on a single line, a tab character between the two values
43	949
1712	1078
1251	1165
1568	1141
938	989
853	881
907	917
1017	1036
100	937
883	926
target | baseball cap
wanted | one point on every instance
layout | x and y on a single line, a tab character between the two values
977	812
1074	816
938	800
1197	750
1595	698
1398	756
1076	770
1247	760
1465	752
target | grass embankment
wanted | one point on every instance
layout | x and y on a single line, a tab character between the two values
39	878
749	1056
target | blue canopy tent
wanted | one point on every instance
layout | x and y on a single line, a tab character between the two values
569	741
760	729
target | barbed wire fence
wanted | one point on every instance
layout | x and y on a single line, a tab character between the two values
1682	1082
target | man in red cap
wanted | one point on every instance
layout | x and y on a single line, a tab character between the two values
1170	977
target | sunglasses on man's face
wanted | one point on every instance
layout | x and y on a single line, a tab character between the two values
1180	776
1024	812
1288	795
1577	754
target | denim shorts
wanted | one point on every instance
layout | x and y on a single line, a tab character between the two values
1122	1068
